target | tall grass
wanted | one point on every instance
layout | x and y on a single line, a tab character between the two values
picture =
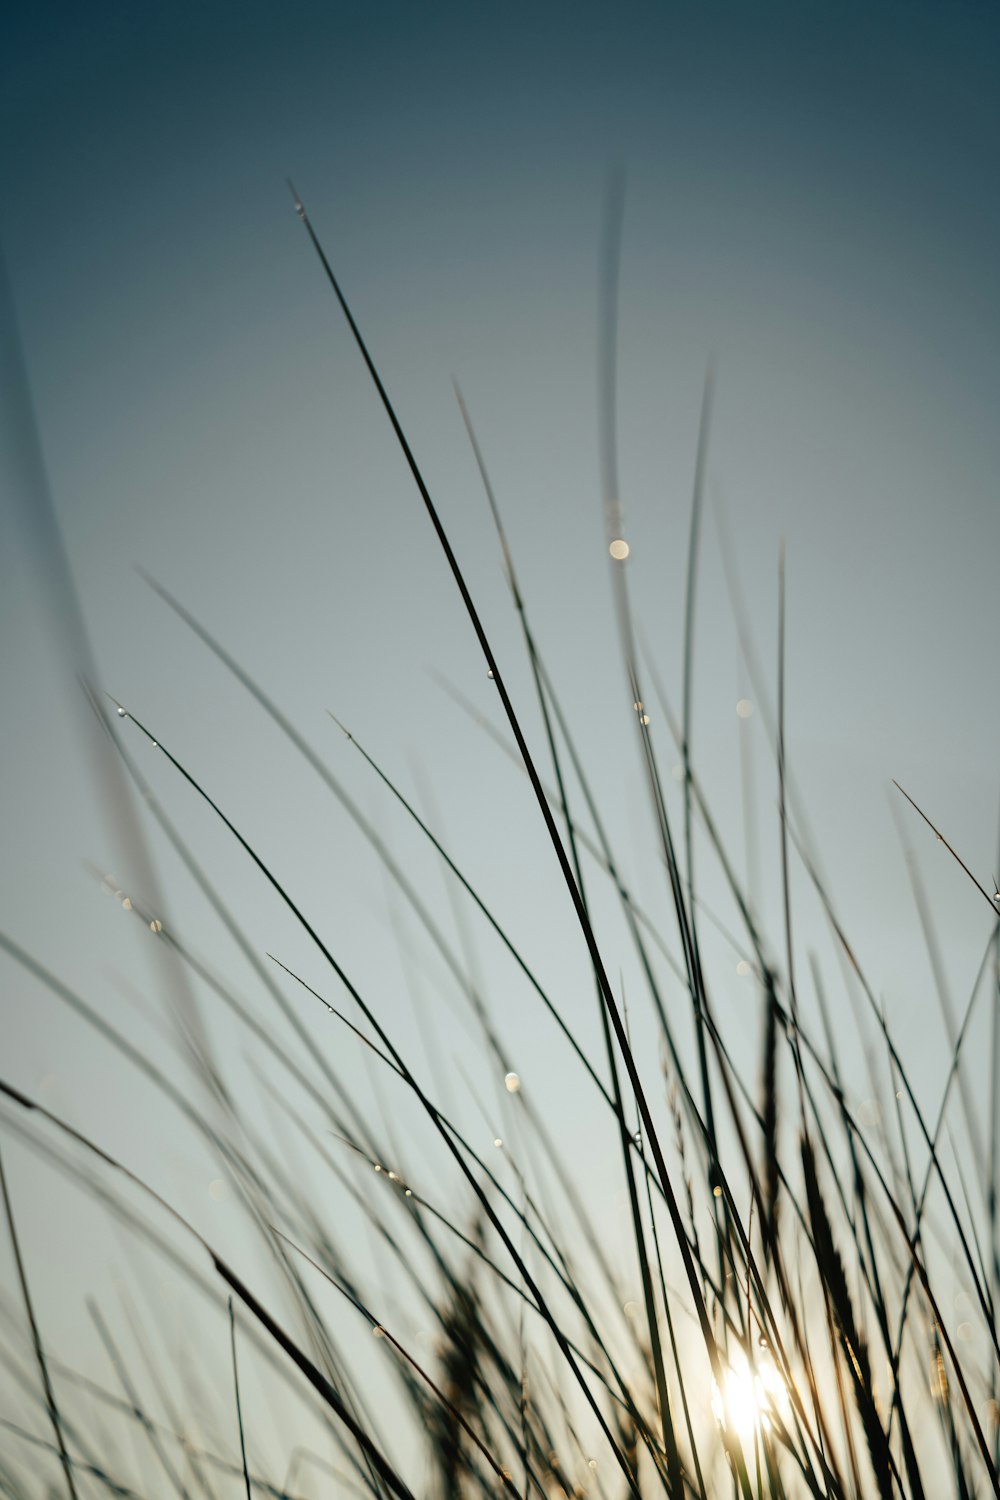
779	1323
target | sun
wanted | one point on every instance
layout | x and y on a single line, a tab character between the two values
750	1395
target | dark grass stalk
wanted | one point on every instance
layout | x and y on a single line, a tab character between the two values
547	816
831	1270
50	1398
673	1475
769	1111
990	900
236	1391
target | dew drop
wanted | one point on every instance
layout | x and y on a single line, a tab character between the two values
378	1331
121	712
498	1142
744	708
409	1193
378	1166
591	1463
156	925
489	673
619	549
717	1191
126	904
644	718
743	967
512	1083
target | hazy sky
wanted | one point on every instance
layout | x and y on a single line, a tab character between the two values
811	201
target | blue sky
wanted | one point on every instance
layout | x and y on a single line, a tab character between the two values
811	202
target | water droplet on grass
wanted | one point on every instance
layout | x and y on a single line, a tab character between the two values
378	1331
744	708
743	967
121	712
619	549
512	1083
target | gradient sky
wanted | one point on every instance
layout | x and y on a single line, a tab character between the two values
811	201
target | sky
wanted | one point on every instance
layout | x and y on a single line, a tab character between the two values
810	205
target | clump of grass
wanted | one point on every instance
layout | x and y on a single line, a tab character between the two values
787	1337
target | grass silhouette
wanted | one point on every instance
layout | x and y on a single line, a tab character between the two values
790	1337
